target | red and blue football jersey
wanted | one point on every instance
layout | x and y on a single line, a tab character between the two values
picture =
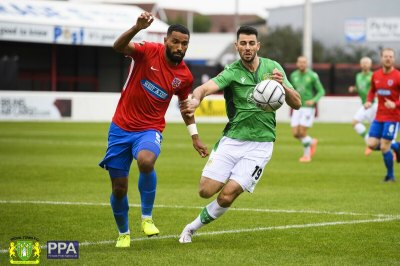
148	90
386	86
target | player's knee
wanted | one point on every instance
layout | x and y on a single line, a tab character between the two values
146	165
225	200
205	193
120	191
119	187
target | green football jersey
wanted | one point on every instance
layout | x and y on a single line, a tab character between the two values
308	85
363	83
246	120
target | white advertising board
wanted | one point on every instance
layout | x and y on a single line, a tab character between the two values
100	107
383	29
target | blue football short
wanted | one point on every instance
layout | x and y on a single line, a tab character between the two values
384	130
124	146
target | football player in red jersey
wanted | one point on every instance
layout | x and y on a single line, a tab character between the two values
157	73
385	84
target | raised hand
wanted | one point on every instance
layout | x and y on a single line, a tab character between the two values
144	20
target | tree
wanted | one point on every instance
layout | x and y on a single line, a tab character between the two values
201	23
348	54
284	45
177	20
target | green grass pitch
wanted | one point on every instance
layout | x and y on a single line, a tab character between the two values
332	211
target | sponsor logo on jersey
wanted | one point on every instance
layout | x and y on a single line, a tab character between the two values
175	83
383	92
154	89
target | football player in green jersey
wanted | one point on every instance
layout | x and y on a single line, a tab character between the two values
362	86
307	83
239	157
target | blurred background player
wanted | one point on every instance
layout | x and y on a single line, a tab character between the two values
239	157
385	84
157	73
307	83
362	86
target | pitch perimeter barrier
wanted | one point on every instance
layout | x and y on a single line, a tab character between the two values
100	107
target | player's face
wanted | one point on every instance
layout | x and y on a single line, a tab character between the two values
175	46
365	65
247	47
387	58
301	63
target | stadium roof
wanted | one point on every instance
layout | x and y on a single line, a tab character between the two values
71	22
210	47
213	7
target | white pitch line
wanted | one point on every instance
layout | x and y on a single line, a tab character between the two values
283	227
246	230
190	207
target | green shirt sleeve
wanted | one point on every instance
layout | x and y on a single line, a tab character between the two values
224	78
285	79
320	91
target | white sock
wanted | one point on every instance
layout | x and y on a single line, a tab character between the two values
360	129
306	141
126	233
196	224
215	210
366	139
211	212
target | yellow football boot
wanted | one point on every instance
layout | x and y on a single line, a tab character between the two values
123	241
149	228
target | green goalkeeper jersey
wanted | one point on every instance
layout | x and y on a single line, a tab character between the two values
246	120
363	83
308	85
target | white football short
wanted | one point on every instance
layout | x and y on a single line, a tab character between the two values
303	117
366	115
242	161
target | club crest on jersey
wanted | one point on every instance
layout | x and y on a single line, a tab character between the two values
267	76
175	83
390	82
154	89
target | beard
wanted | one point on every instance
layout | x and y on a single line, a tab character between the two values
248	59
174	57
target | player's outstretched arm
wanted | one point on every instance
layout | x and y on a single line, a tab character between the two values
192	128
189	107
292	98
122	44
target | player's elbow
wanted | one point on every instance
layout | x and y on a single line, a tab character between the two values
295	103
117	48
297	106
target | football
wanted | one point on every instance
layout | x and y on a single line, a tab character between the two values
268	95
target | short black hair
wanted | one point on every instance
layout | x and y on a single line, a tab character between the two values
179	28
248	30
